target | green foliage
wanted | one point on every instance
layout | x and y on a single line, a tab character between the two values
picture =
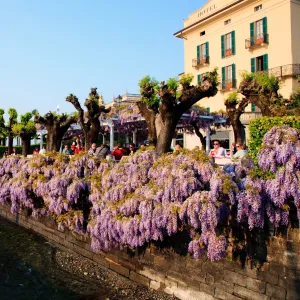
3	129
186	79
214	76
149	88
172	84
263	79
259	127
232	99
13	115
26	126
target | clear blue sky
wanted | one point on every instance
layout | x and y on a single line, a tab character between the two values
52	48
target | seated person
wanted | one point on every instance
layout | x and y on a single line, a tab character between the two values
132	148
240	153
117	153
92	150
102	151
217	151
66	150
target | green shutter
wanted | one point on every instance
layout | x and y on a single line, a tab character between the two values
223	78
199	78
252	33
233	76
233	42
253	107
223	46
265	29
265	25
265	62
207	52
253	65
208	110
198	53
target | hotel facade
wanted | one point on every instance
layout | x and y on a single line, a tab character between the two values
237	36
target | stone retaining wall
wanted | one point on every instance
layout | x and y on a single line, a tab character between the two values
186	278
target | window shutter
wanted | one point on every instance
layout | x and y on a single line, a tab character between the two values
252	33
253	107
233	76
198	53
265	25
265	62
207	52
253	65
265	29
199	78
208	110
223	46
223	78
233	42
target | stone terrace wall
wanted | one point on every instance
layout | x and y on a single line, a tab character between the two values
184	277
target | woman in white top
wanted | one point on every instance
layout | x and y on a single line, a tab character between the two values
217	151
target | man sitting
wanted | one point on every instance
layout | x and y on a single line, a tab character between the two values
217	151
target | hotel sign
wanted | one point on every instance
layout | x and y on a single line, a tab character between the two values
207	10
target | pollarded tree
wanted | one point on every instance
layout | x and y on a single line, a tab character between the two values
26	130
163	106
57	126
235	108
89	121
3	129
262	90
13	116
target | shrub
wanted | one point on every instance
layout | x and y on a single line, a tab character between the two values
259	127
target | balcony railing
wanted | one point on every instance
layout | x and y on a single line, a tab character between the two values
246	117
285	71
227	85
257	41
200	61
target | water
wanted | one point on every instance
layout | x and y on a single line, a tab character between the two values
28	270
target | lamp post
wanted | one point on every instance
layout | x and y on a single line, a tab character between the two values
117	102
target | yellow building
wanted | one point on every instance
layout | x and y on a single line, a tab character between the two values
237	35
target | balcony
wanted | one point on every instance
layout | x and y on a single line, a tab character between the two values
246	117
200	61
257	41
228	85
285	71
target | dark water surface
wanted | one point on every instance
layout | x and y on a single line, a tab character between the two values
33	269
28	270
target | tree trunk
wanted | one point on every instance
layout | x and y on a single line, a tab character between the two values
25	145
51	139
3	142
166	134
10	142
238	130
200	136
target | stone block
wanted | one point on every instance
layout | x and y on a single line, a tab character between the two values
224	286
256	285
118	269
276	268
209	279
83	251
235	278
292	287
276	292
100	260
248	294
220	294
112	257
127	264
207	289
155	285
269	277
139	278
153	275
162	262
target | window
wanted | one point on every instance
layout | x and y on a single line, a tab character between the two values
202	33
260	63
228	72
257	8
228	77
227	22
203	50
228	44
259	28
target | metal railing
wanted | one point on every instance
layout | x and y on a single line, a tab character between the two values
229	84
200	61
257	40
246	117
